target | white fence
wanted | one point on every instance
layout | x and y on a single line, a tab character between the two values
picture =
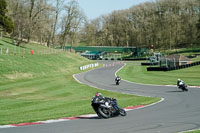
89	66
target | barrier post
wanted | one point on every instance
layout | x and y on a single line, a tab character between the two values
31	52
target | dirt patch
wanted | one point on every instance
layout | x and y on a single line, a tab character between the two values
18	76
17	91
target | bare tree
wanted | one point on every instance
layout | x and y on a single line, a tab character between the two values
71	21
58	9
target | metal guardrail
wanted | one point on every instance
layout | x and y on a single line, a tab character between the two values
173	68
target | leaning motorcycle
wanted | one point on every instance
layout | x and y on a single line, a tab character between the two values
183	87
107	107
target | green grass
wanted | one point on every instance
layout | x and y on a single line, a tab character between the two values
184	51
53	97
197	131
196	59
137	73
41	87
23	49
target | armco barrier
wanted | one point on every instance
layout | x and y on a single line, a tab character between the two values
172	68
133	59
148	63
88	66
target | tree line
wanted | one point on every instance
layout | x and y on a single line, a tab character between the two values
48	22
162	24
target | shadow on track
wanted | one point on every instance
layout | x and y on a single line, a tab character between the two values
114	85
173	91
95	117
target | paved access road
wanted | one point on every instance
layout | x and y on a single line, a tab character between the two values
178	112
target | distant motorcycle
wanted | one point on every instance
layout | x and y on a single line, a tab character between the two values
181	85
117	80
107	107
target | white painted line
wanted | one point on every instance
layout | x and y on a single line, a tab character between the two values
128	109
7	126
89	115
189	131
53	121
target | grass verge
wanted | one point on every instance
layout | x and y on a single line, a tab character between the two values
41	87
136	73
197	131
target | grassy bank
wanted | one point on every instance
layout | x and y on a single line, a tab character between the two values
184	51
197	131
137	73
41	87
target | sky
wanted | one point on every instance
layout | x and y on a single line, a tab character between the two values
96	8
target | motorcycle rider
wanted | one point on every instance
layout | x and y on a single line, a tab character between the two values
180	83
99	97
117	79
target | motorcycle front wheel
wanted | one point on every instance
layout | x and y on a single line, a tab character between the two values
122	112
104	112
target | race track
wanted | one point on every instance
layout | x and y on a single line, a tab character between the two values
179	111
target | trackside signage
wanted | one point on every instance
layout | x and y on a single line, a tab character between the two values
89	66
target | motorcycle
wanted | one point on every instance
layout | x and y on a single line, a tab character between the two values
107	107
117	80
183	87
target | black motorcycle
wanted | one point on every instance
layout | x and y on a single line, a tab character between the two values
183	87
117	80
107	107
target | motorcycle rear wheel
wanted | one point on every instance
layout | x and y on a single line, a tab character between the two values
104	112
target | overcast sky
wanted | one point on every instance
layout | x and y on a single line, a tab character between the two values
96	8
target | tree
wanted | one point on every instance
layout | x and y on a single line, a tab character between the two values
166	24
198	23
58	9
33	20
71	21
6	22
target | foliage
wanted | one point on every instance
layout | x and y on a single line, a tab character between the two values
41	20
183	51
198	29
166	24
163	24
5	22
71	22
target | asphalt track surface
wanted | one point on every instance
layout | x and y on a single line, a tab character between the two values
178	112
